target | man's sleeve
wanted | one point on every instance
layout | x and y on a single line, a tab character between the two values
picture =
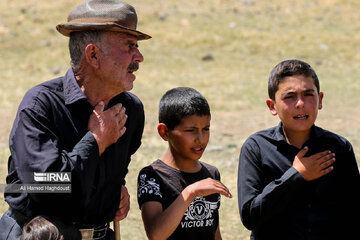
35	147
137	132
259	201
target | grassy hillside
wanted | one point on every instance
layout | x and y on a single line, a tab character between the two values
223	48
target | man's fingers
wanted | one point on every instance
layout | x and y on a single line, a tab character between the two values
122	120
99	108
122	211
121	125
125	201
115	111
119	113
118	109
120	215
122	131
124	206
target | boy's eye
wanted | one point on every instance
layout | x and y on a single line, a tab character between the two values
189	130
288	96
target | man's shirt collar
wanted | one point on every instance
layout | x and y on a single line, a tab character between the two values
73	93
72	90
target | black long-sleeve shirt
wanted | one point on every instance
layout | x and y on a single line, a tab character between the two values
50	134
276	202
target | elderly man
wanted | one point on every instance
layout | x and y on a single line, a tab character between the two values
85	123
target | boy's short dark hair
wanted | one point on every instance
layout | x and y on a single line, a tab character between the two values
181	102
41	228
289	68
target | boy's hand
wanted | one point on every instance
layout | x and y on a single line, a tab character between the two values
208	186
314	166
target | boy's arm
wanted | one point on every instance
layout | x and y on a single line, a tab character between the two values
258	199
161	224
217	233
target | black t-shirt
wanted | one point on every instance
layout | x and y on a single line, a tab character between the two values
162	183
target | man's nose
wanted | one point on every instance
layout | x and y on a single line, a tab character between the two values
138	57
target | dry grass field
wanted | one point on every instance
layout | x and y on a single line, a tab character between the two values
223	48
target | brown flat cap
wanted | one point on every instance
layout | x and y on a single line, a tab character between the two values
108	15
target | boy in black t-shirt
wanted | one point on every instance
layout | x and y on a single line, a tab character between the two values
297	180
178	195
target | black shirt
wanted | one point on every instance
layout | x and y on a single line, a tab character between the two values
50	134
162	183
276	202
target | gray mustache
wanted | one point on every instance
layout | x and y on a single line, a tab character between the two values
133	66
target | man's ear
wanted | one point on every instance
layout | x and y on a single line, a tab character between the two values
91	55
163	131
271	105
321	95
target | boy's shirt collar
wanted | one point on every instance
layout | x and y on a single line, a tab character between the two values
279	135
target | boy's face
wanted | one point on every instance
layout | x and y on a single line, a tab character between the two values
189	139
297	102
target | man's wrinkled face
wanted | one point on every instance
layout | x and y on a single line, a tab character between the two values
120	59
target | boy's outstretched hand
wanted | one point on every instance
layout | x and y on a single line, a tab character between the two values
208	186
314	166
